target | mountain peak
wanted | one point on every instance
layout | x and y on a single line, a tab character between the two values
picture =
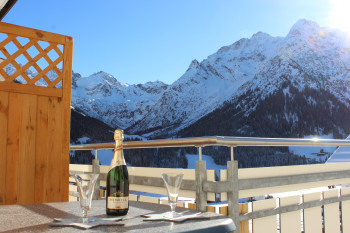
304	27
260	35
194	64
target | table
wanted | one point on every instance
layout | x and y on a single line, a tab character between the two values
38	217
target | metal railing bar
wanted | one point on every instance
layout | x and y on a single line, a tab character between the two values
182	142
216	141
255	141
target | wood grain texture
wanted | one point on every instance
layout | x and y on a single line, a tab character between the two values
223	210
13	151
192	206
32	33
27	150
42	150
3	144
64	152
244	225
34	90
211	209
55	148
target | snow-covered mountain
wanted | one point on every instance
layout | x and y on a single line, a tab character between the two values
118	104
308	56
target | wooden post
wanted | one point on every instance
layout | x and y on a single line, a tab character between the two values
201	196
66	109
233	205
244	225
96	170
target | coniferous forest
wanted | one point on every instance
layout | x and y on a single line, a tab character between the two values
292	114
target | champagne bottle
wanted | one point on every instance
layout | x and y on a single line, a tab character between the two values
117	197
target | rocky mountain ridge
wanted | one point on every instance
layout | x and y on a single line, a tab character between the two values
309	56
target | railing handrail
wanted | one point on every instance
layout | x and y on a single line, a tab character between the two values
216	141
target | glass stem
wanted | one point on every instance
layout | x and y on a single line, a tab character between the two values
172	207
85	213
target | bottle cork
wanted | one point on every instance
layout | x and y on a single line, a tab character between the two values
119	135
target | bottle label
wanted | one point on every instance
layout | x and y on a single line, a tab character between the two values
117	159
118	147
117	203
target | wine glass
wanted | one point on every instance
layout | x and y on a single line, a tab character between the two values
86	189
172	182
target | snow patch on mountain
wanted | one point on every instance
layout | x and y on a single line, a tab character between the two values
118	104
309	56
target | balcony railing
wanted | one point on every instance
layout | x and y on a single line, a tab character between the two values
297	208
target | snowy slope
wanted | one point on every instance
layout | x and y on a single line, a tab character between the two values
118	104
210	164
340	155
309	56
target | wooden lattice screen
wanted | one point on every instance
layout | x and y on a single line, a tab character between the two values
35	94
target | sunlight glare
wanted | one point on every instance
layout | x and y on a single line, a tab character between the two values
340	17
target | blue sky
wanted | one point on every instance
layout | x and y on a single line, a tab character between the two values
138	41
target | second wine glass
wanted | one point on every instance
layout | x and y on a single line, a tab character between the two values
172	183
86	189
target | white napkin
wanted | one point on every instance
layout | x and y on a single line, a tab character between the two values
61	222
180	218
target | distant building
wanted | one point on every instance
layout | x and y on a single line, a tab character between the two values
321	153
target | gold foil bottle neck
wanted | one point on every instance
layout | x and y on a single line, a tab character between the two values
118	135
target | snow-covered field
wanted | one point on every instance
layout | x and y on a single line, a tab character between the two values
314	151
211	165
105	156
